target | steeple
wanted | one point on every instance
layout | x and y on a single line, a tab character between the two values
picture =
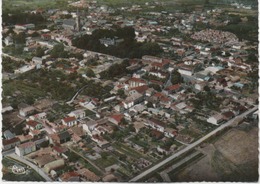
78	21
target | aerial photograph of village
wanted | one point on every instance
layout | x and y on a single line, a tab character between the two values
130	90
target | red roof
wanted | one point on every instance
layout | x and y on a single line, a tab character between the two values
173	87
140	89
137	80
59	149
156	82
32	123
26	145
117	117
159	95
11	141
69	119
68	175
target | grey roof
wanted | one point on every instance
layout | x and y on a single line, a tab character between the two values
64	135
69	22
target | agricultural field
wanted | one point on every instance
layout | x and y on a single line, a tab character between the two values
233	157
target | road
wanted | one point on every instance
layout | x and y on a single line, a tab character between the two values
193	145
38	170
75	96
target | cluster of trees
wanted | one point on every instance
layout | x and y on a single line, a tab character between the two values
115	70
22	18
176	77
96	90
129	48
10	65
47	82
206	99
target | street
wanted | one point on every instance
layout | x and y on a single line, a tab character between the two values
38	170
193	145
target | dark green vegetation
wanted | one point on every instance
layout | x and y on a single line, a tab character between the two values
9	176
9	65
53	83
116	70
128	48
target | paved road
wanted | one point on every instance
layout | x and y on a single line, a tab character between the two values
193	145
38	170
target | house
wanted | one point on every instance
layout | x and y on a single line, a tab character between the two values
132	100
228	115
186	70
57	164
60	137
64	137
8	134
78	114
26	111
135	82
89	126
170	132
33	125
102	143
69	121
8	41
37	60
140	90
69	176
25	148
43	160
110	178
215	119
59	150
88	175
69	24
138	125
156	124
40	116
172	89
110	41
116	118
150	59
10	143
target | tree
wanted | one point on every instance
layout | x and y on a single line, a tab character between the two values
58	51
20	38
176	77
39	52
121	93
207	88
90	73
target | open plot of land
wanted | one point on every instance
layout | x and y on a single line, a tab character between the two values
233	157
8	175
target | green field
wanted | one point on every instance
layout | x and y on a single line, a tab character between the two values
33	4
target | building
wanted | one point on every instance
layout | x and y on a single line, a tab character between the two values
78	114
116	118
26	111
69	176
57	164
215	119
10	143
135	82
33	125
25	148
69	121
8	41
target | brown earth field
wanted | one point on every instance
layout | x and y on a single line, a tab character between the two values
232	157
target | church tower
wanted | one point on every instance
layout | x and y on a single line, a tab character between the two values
78	21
